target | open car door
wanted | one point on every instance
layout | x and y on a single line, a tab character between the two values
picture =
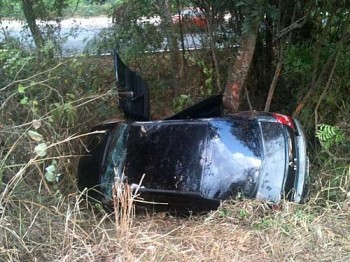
134	97
133	92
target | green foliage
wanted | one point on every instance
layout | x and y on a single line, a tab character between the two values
243	214
40	103
51	174
333	181
44	9
302	215
89	8
65	112
181	102
10	8
41	149
208	72
224	212
254	12
132	33
47	9
266	223
35	136
12	61
329	135
299	60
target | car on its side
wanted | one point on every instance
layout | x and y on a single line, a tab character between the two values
196	158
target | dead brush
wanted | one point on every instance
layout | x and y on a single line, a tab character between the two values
124	198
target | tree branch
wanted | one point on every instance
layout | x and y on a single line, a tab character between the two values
296	25
273	85
31	77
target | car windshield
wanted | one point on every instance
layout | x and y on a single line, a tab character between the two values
209	157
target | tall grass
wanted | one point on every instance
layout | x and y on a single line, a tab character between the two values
42	220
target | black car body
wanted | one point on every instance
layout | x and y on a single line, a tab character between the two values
197	157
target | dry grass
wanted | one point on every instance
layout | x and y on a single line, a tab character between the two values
48	221
68	229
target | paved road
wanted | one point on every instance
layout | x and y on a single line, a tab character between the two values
77	32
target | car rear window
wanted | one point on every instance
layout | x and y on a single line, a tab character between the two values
233	158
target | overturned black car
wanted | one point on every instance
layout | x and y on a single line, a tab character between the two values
196	158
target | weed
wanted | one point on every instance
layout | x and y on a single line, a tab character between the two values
329	135
181	102
208	72
243	214
222	213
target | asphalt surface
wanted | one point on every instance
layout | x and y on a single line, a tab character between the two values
75	32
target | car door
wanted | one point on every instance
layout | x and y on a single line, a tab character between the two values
133	92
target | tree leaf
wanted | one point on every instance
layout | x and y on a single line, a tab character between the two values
50	176
51	168
35	136
40	149
24	101
36	124
21	89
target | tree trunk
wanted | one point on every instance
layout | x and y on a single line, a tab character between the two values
170	36
33	27
182	39
210	25
239	71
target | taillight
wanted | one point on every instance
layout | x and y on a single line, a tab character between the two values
284	120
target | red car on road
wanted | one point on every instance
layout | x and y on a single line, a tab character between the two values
190	17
